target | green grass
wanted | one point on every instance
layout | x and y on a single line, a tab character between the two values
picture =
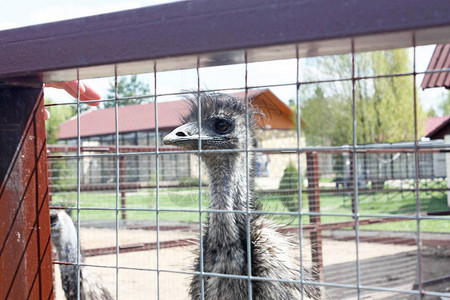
144	199
187	199
326	179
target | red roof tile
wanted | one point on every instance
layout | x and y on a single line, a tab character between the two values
141	117
434	124
131	118
440	60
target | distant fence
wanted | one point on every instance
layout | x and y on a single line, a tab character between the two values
333	173
381	165
137	168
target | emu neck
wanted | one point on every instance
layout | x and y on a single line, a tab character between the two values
228	191
66	244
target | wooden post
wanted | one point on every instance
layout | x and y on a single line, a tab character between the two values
312	173
25	244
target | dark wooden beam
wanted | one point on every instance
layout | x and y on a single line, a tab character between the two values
217	30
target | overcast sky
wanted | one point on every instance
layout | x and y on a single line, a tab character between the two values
19	13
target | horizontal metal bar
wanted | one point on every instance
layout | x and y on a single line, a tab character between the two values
250	87
167	151
324	284
436	294
139	247
382	148
433	281
124	186
338	191
296	214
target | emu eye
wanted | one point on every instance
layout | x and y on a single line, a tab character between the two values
53	219
222	126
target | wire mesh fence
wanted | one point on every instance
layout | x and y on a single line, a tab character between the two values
336	161
362	209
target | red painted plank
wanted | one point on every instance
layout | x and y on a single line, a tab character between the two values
25	253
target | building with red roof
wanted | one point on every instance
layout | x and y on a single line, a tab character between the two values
437	127
137	126
141	117
439	62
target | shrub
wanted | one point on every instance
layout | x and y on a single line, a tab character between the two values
289	181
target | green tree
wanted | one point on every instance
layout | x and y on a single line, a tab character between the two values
60	168
384	106
445	105
128	86
327	119
58	114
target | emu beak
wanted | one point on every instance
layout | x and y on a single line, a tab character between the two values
184	134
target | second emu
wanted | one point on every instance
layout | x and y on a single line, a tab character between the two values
64	238
273	255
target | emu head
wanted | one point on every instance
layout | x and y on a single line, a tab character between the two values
223	124
62	228
55	224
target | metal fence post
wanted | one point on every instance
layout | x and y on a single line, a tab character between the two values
312	173
25	253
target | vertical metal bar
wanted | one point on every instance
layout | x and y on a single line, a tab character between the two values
200	207
247	167
314	206
416	182
123	192
299	165
25	245
116	129
158	290
78	186
355	175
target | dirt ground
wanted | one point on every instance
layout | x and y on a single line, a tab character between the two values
381	265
